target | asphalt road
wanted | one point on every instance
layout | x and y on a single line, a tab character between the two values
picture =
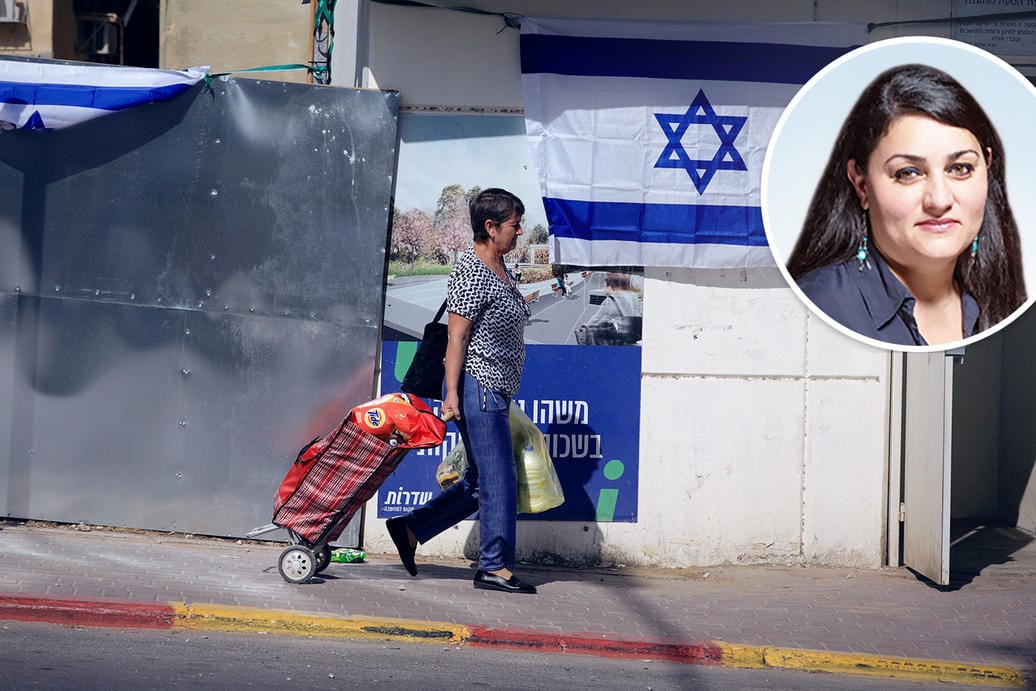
412	301
53	656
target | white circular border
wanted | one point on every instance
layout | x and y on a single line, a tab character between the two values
806	131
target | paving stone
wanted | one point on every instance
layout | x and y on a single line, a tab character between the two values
990	618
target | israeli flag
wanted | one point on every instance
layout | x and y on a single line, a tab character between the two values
649	137
51	95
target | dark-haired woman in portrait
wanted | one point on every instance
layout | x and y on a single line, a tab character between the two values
909	238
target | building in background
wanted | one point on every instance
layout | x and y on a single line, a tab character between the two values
170	34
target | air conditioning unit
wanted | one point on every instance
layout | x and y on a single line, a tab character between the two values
99	34
11	11
104	40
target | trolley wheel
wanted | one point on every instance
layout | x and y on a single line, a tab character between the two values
297	564
323	556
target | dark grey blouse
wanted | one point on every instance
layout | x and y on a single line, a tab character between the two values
873	302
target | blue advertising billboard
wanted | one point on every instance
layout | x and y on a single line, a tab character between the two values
585	400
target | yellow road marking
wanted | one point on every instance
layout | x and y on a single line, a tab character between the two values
873	665
228	618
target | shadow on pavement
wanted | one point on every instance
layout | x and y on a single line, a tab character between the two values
976	544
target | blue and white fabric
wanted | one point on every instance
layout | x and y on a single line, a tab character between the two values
649	137
51	95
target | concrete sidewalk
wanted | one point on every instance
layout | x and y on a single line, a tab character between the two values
841	620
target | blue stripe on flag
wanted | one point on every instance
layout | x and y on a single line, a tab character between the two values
86	96
663	223
714	60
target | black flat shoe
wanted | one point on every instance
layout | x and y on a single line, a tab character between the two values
490	581
398	532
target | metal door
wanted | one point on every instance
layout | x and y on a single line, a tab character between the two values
927	414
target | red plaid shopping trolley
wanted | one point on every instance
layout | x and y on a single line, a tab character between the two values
333	476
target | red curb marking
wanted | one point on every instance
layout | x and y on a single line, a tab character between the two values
88	612
690	652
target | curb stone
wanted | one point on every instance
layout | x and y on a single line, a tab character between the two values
182	616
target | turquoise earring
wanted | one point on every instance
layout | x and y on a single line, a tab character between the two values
861	248
861	253
974	247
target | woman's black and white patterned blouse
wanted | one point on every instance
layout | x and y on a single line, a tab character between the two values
499	313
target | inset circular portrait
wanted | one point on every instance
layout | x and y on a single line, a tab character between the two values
899	194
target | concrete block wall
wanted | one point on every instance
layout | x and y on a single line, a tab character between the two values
784	418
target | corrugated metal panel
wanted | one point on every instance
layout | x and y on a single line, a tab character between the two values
188	293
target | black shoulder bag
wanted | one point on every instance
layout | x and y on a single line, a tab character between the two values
426	373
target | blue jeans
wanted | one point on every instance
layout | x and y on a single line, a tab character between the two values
490	484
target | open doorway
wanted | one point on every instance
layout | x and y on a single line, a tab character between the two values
993	487
963	448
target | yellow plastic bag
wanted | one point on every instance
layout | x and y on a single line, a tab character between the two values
538	485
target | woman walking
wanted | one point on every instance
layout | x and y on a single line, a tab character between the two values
484	359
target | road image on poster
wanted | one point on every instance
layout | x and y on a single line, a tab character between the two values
443	161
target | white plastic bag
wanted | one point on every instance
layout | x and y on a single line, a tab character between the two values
451	469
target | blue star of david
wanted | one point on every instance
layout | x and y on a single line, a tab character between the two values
35	122
701	112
